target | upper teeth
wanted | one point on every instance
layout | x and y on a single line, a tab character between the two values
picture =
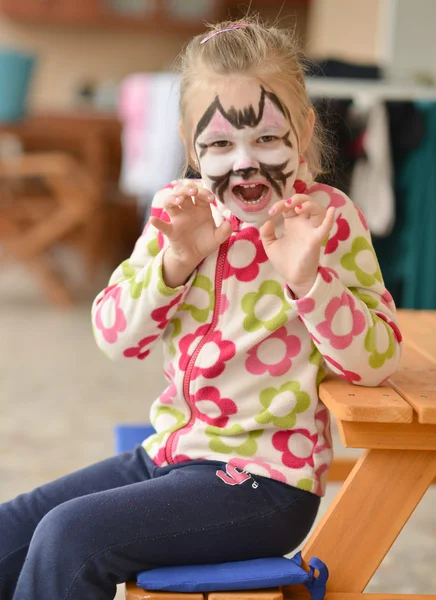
250	185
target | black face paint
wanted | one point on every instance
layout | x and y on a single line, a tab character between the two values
240	118
203	149
245	173
285	139
274	174
220	184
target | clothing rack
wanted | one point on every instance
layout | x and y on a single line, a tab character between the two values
330	87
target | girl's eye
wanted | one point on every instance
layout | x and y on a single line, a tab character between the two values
221	144
267	139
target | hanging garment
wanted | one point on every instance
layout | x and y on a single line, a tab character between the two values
417	182
153	152
371	182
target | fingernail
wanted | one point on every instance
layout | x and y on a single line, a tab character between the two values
178	198
211	197
272	210
299	206
191	190
289	202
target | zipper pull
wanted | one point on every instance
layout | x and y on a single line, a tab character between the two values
235	222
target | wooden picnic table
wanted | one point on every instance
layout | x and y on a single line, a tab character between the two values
396	425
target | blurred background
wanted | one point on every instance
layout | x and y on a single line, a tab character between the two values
88	132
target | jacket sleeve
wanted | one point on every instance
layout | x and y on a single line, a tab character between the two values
131	314
349	314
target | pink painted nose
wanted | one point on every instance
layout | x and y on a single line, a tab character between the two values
245	163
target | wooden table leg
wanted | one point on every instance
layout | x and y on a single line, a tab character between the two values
368	513
53	286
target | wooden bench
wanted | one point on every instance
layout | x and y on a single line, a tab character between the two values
396	425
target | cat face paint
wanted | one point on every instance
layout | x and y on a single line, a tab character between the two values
248	156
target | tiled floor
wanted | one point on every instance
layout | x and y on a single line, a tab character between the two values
60	397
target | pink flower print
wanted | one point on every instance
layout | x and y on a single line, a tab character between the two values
305	305
161	458
188	344
179	458
342	234
160	315
324	441
347	375
170	393
351	321
387	300
156	244
110	318
337	199
274	354
211	395
259	466
296	447
212	357
321	479
171	185
245	254
106	292
224	304
327	274
141	351
393	326
362	218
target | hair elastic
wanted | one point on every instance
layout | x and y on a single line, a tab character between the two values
236	26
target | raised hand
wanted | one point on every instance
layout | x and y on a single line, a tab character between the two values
192	233
295	255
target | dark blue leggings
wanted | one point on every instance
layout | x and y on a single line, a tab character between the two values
80	535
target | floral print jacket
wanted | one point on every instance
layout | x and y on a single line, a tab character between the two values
242	357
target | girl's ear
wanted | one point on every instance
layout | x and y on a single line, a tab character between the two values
192	159
307	131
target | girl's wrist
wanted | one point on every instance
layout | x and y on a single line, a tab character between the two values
176	272
300	290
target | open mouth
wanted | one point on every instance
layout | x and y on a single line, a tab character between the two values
251	196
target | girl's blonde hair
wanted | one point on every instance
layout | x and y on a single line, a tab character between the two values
260	51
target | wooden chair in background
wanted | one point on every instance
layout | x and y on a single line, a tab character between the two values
31	224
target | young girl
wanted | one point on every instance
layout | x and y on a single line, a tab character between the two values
255	278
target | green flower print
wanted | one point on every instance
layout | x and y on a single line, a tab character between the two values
177	330
247	448
302	403
136	286
250	302
153	247
377	359
370	301
178	422
317	359
162	286
305	484
201	314
349	261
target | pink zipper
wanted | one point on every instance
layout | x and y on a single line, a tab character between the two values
187	379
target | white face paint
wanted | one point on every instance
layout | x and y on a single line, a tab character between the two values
248	153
